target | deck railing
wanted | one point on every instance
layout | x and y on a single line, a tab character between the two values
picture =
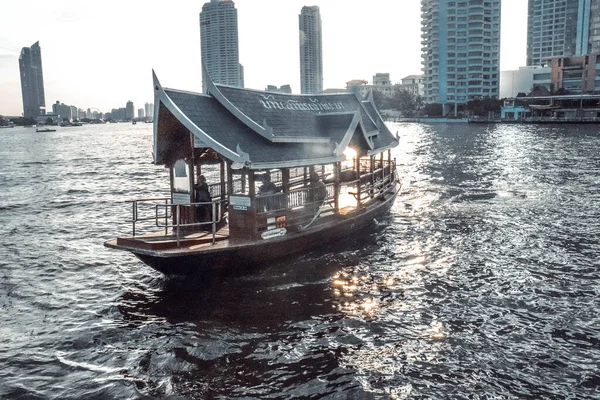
181	223
179	217
295	198
164	212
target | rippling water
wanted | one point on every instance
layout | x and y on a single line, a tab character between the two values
482	283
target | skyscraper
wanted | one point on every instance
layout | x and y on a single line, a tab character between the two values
149	109
32	81
562	28
129	110
460	50
311	51
219	43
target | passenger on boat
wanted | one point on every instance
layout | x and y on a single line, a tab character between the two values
267	188
203	211
318	193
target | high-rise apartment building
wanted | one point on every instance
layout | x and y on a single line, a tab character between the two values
149	109
460	50
32	81
311	51
562	28
129	110
63	111
219	43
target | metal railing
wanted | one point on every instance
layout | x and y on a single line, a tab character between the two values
216	217
295	198
163	213
135	211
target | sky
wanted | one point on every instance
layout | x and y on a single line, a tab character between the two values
101	55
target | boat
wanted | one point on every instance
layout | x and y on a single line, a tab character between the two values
328	157
45	130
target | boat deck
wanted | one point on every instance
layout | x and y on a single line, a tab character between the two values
160	241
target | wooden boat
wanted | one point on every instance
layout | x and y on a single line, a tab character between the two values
328	156
45	130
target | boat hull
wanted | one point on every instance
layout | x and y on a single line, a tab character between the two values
255	253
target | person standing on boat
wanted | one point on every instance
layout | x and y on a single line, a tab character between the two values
202	195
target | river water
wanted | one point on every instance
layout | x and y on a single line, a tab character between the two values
482	283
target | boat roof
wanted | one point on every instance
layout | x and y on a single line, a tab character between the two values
264	130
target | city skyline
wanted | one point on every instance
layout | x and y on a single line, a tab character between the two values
99	68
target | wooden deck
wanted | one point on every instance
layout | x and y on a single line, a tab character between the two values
160	241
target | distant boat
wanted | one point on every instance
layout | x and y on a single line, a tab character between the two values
133	122
45	130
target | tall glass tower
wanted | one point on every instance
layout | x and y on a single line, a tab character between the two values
219	43
311	51
460	50
32	81
562	28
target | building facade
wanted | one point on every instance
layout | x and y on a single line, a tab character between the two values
129	110
413	84
32	81
281	89
576	75
524	80
562	28
311	51
149	110
219	45
460	50
63	111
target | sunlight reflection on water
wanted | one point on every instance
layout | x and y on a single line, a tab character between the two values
482	280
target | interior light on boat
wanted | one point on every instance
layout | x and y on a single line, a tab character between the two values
349	153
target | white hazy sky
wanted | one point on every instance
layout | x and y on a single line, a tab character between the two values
101	54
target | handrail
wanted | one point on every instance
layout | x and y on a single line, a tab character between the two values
216	210
169	208
135	203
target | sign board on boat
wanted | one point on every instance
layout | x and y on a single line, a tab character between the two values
240	202
273	233
181	198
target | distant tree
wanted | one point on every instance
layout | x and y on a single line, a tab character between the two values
482	107
433	110
20	121
539	91
49	121
382	101
400	100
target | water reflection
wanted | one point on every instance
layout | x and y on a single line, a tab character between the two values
482	280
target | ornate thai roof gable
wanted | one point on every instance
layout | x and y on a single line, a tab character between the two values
264	130
160	97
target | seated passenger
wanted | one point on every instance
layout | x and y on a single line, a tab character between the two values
318	193
268	188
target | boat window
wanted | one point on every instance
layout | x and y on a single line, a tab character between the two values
181	180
